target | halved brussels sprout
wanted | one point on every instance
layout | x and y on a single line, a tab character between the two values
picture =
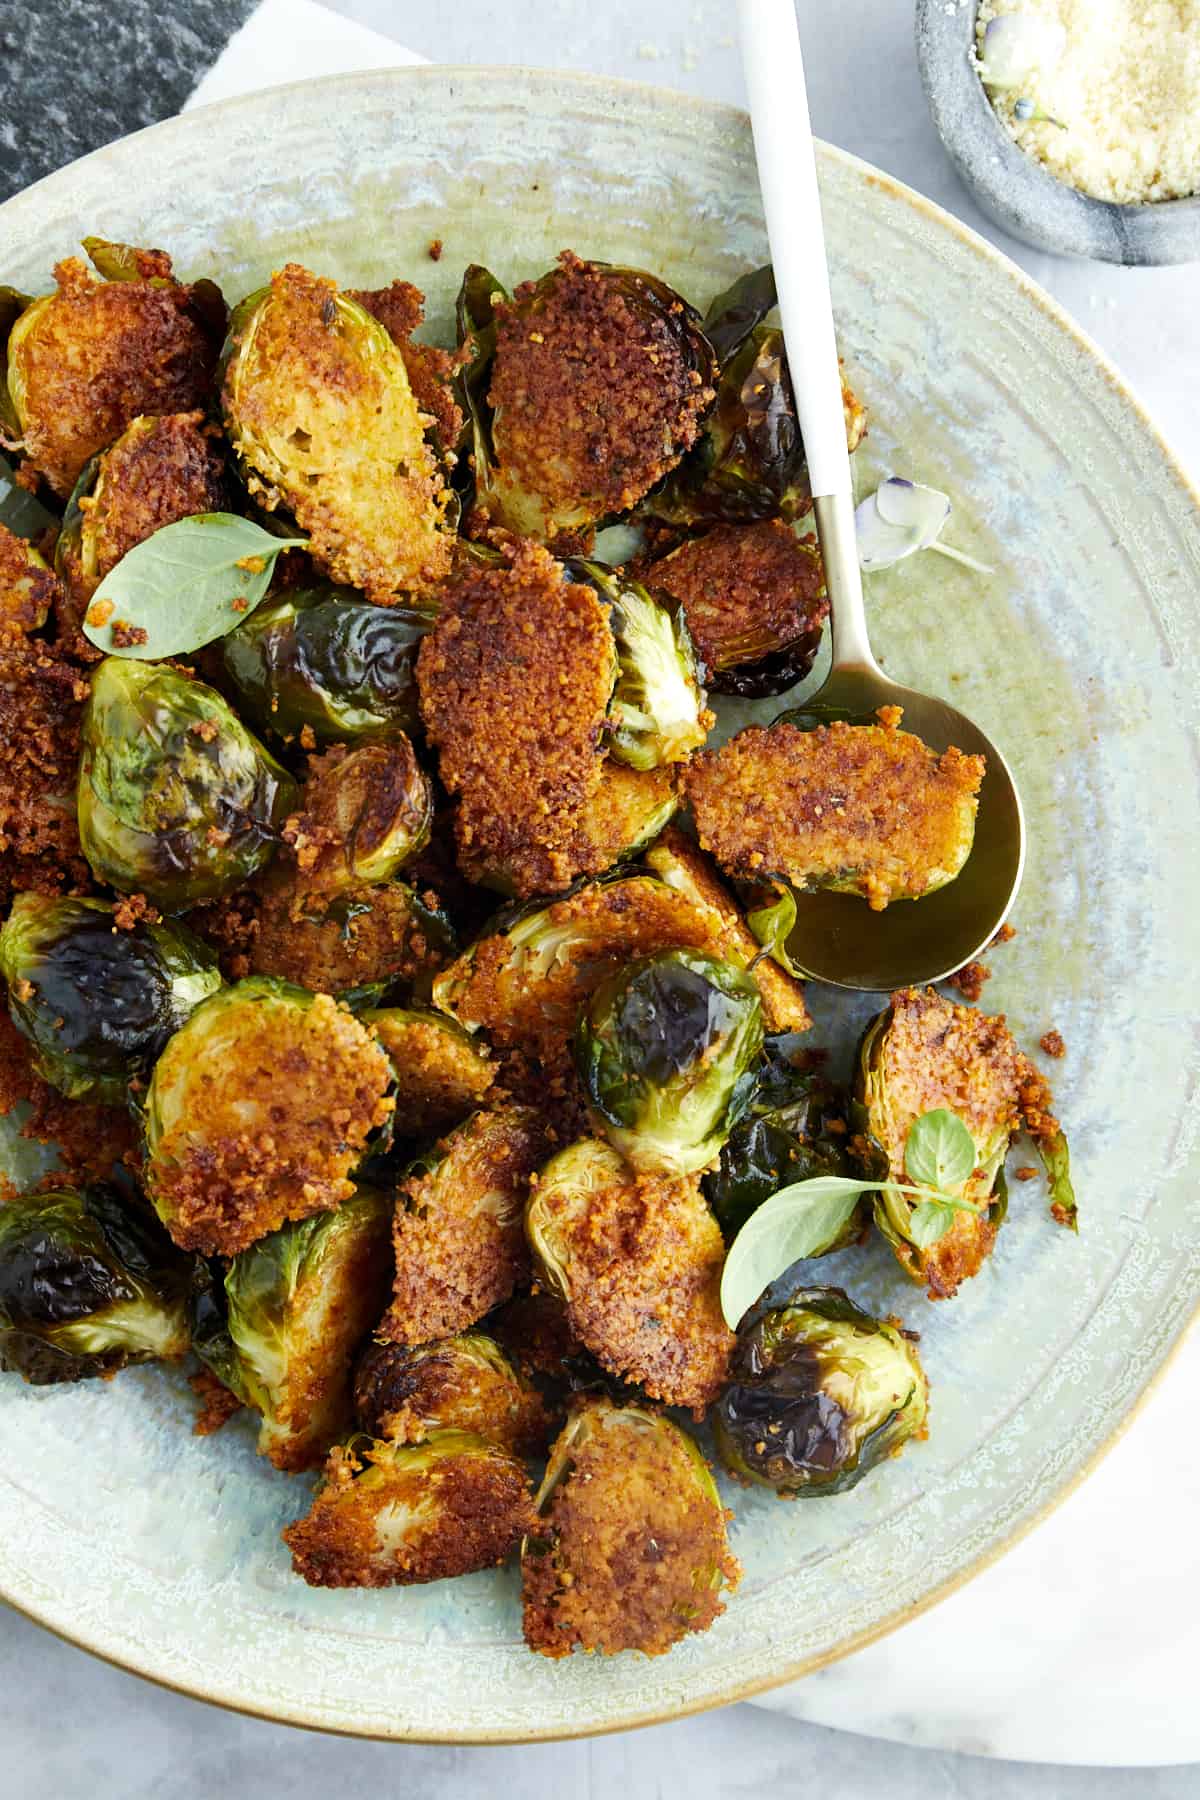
794	1128
750	462
629	1551
87	360
534	1332
460	1248
364	812
755	602
258	1112
463	1383
159	470
364	943
636	1260
584	389
296	1306
12	304
392	1515
664	1050
98	1003
326	658
89	1282
442	1074
819	1393
177	800
657	713
319	409
861	809
920	1054
28	589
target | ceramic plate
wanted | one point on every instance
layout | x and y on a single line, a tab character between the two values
1078	655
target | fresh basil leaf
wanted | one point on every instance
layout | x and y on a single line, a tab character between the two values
190	582
929	1222
773	922
1056	1160
803	1219
939	1151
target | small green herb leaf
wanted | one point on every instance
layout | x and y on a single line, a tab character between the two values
801	1220
1056	1160
773	921
939	1151
928	1222
185	585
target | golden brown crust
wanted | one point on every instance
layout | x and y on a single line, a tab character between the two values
533	1329
405	1395
458	1235
399	1523
515	683
270	1132
400	308
865	806
631	1554
594	401
28	589
217	1403
440	1076
356	800
100	353
89	1139
332	942
41	703
746	590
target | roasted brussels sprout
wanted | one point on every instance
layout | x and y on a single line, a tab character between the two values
749	462
326	658
363	813
442	1073
819	1393
363	942
584	390
294	1309
86	361
861	809
12	304
159	470
629	1551
664	1050
920	1054
89	1282
177	800
391	1515
656	714
636	1260
458	1239
319	408
794	1127
463	1383
28	589
534	1332
258	1112
97	1002
755	602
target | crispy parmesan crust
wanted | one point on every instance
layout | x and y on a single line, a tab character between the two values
458	1235
28	590
89	1139
99	354
405	1395
270	1133
594	399
440	1077
400	308
865	807
41	702
515	682
332	942
400	1523
747	590
631	1553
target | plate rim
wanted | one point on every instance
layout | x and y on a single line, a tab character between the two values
720	112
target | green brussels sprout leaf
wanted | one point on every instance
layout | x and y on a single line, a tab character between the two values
1056	1160
939	1151
183	586
21	511
772	922
733	314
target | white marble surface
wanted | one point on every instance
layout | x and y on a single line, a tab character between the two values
1082	1644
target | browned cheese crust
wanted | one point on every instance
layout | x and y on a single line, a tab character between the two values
515	682
645	1260
458	1235
746	590
626	1556
867	806
101	353
331	942
160	470
355	800
440	1078
594	402
400	308
88	1138
216	1403
405	1395
273	1134
533	1329
467	1511
41	702
28	589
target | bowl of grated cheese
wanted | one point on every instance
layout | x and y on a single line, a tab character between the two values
1075	126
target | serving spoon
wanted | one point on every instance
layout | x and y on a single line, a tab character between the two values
838	939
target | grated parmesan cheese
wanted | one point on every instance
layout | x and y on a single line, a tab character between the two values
1126	90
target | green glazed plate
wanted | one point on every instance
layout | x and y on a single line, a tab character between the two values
1078	655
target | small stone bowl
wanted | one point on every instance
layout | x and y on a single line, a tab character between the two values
1018	192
